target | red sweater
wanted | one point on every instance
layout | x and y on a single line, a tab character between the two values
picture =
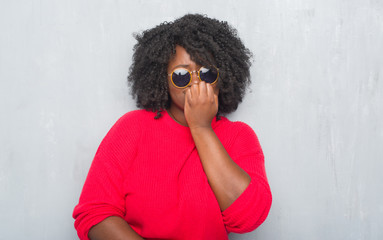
148	172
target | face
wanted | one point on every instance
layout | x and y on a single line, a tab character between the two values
181	59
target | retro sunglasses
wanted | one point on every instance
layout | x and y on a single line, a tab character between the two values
181	77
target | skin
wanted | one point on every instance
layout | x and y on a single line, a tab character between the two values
195	107
113	228
179	95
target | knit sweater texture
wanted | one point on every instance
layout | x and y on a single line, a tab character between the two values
148	172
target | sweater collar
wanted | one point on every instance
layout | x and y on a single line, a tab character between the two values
178	127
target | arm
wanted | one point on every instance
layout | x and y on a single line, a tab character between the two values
101	208
237	178
113	228
227	180
225	177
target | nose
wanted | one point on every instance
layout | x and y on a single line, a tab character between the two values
195	79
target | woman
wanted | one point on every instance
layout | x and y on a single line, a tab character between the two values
178	169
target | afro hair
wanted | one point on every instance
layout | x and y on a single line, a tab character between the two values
208	41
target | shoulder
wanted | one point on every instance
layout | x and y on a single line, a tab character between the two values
137	116
131	123
232	132
135	119
233	126
238	138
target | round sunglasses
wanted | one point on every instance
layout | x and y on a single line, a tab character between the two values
181	77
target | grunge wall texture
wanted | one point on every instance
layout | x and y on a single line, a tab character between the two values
316	105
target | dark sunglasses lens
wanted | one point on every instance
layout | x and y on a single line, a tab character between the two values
181	77
208	75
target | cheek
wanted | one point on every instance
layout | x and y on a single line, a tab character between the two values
216	90
178	100
177	95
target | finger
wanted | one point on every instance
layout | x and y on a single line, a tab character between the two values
216	99
188	99
194	90
188	96
209	91
202	89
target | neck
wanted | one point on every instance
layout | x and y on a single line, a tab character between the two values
177	115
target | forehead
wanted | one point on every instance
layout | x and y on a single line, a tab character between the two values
181	58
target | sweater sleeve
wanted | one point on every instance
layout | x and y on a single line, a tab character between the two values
102	195
251	208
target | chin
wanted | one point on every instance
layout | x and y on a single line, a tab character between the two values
178	106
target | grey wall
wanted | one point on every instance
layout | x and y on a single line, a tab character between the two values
316	105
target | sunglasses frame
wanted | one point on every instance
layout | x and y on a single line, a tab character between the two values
191	76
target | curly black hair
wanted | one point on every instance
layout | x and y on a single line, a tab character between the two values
208	42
